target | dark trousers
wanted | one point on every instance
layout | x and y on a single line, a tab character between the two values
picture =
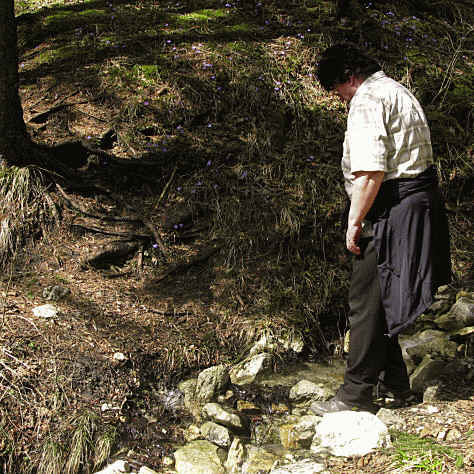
373	356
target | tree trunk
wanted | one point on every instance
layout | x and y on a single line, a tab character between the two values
13	136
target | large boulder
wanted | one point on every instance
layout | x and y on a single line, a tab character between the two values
200	457
430	342
350	433
460	315
429	369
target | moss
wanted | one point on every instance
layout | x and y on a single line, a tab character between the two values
201	16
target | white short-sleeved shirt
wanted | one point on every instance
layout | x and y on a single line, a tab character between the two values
386	131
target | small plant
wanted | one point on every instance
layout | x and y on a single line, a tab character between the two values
413	452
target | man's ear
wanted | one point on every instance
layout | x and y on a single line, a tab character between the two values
352	80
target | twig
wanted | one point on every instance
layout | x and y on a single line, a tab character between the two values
127	235
165	189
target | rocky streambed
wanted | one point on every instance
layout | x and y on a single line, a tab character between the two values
246	420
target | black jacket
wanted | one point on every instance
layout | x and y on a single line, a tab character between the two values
412	240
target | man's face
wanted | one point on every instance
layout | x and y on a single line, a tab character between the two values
344	91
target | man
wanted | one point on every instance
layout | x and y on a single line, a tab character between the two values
396	226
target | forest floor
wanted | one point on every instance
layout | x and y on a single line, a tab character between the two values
235	201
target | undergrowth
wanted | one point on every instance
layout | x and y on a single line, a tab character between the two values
224	94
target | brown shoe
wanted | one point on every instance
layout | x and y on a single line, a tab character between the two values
334	405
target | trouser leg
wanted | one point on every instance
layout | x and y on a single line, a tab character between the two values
371	350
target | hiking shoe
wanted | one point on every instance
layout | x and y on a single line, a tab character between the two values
396	397
334	405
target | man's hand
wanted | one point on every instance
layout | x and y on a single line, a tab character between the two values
352	238
365	188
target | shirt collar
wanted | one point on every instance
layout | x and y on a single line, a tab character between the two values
368	81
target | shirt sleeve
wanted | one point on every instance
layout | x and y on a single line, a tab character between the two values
367	137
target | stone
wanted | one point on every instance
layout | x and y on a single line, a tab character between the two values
55	293
216	434
46	311
306	466
188	387
235	457
120	357
192	433
146	470
259	461
453	434
269	343
211	382
391	419
246	372
431	394
226	417
459	316
428	370
247	407
305	389
299	434
432	342
349	433
200	457
118	467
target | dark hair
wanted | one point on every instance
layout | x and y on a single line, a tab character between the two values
339	62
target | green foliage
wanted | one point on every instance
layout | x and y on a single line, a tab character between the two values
423	454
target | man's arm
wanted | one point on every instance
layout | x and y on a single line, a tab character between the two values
365	187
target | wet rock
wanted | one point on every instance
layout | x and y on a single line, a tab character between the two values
299	434
247	371
429	370
430	342
301	467
216	434
226	417
349	433
211	382
118	467
248	408
305	390
266	433
46	311
235	457
259	461
55	293
271	343
460	315
200	457
188	387
391	419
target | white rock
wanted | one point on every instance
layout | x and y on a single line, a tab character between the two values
301	467
120	356
146	470
46	311
349	433
210	382
118	467
246	372
226	417
235	457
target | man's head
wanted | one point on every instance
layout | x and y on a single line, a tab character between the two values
343	67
